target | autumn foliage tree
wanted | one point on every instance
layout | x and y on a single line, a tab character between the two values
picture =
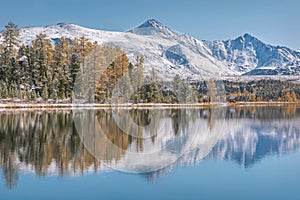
46	70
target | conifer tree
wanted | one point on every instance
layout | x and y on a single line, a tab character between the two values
140	72
114	78
95	65
13	74
43	62
32	74
74	68
85	47
61	75
11	39
25	73
9	51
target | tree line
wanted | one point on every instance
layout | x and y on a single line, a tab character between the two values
265	90
46	71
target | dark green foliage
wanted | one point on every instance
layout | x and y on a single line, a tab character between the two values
148	93
74	68
40	70
257	90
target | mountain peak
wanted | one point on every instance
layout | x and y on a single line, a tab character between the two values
152	27
246	38
249	36
152	23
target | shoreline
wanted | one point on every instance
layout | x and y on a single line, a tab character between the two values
15	105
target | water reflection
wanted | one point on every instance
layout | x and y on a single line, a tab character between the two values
137	141
47	141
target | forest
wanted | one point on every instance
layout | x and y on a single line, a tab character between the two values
264	90
45	71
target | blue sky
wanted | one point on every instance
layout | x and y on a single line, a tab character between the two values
273	21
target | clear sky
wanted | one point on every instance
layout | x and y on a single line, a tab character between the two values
273	21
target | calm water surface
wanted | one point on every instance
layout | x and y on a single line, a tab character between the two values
209	153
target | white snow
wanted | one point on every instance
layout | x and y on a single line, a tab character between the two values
154	40
150	42
267	68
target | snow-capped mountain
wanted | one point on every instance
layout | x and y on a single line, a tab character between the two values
171	53
248	55
153	27
164	50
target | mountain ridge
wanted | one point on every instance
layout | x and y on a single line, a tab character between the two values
171	53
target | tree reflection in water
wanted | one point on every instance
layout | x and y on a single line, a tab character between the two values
47	142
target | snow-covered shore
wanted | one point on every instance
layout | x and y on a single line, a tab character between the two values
32	105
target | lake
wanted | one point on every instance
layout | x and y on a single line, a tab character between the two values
242	152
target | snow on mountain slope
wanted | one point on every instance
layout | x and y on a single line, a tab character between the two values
171	53
162	48
153	27
71	31
247	54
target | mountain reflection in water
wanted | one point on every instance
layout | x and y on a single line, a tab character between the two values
46	142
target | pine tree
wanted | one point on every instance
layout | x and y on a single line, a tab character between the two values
113	78
4	91
85	47
136	74
32	75
33	95
25	74
95	65
8	52
102	91
4	64
11	39
13	78
74	68
44	60
61	75
293	96
1	62
140	72
45	94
